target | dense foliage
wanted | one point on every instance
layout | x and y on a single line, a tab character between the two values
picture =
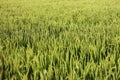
60	39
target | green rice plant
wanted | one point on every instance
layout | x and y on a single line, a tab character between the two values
59	40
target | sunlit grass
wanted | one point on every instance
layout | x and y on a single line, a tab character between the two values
60	40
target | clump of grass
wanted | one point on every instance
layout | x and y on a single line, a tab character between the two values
1	66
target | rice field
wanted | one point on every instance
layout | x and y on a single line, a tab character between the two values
59	39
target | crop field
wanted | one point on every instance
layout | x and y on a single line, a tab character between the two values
59	39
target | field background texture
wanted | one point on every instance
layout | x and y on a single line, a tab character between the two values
60	39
